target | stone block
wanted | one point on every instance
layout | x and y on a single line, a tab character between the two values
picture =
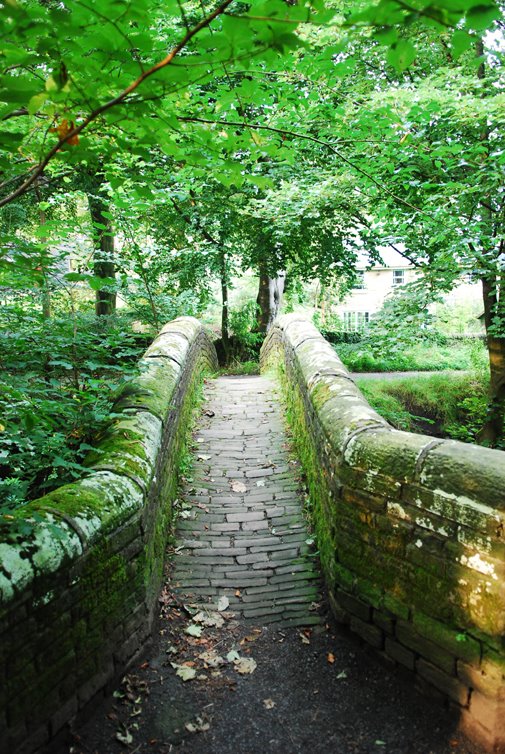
399	653
373	635
409	637
471	476
456	642
447	684
353	605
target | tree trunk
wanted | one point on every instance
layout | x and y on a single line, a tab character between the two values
103	240
494	309
493	294
46	291
269	298
225	334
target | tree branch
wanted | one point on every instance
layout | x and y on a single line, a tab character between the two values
314	139
119	99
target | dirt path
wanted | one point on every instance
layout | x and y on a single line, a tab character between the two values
244	659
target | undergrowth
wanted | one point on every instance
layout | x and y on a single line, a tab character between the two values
420	357
58	380
453	406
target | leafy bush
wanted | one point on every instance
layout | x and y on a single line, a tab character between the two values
422	357
246	343
57	383
442	405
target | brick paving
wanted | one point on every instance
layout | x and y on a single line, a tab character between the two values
242	532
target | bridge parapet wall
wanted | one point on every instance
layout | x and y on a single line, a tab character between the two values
80	569
410	531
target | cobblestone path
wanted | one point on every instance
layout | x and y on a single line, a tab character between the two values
242	534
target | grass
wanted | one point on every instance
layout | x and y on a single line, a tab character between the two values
240	368
451	406
423	357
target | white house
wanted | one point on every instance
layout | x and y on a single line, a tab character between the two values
378	282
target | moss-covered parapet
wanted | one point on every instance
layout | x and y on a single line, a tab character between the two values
410	530
80	568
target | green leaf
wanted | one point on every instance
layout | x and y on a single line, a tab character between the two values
401	54
97	283
461	41
36	102
482	16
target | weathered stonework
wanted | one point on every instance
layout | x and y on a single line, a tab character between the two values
410	531
80	568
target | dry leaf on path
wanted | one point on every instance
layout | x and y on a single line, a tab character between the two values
245	665
187	674
209	619
198	726
305	639
223	604
268	703
212	659
194	630
238	487
330	657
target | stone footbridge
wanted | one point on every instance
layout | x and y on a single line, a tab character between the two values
409	532
245	536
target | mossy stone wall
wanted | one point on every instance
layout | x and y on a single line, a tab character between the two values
410	531
80	569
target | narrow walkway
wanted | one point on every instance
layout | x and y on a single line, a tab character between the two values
209	682
242	534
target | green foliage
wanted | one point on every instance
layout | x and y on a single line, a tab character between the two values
422	357
57	383
440	405
403	321
246	342
241	367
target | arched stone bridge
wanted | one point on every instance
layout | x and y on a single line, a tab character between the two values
410	532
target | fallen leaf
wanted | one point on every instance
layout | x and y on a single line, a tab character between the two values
223	604
305	639
194	630
330	657
238	486
232	656
268	703
342	674
204	458
209	619
136	711
245	665
238	593
198	726
184	672
211	658
125	737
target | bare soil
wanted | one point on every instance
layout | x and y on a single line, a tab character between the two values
312	690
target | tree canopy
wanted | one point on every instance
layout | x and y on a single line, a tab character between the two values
164	145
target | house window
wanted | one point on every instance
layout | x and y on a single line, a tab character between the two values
359	283
355	321
398	277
